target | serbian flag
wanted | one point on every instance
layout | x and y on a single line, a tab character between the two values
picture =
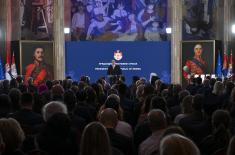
225	65
230	66
13	67
8	42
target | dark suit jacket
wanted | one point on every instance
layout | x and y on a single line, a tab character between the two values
114	71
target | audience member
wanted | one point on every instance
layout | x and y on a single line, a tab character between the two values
95	140
52	108
109	118
157	122
12	135
178	145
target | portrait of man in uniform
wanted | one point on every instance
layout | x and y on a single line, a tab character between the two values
198	58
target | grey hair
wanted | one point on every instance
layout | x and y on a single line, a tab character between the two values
52	108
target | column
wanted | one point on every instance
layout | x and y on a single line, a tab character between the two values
227	24
59	41
176	37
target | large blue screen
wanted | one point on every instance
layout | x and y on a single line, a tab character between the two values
137	59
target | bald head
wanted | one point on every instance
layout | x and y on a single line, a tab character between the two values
109	118
157	120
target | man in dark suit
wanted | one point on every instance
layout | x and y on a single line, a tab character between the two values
114	71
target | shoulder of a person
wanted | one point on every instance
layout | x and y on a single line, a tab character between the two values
30	66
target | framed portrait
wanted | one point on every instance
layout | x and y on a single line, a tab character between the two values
198	58
36	60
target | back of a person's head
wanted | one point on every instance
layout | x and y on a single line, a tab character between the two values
6	84
112	91
49	84
85	79
221	117
26	99
186	104
52	108
176	89
199	80
19	79
58	125
95	140
198	102
158	103
13	83
212	82
140	91
70	100
5	103
112	101
57	92
176	144
229	87
147	103
67	83
15	96
157	120
108	117
12	134
218	88
122	89
90	94
148	90
81	96
182	94
206	82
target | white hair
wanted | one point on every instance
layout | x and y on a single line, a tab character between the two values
52	108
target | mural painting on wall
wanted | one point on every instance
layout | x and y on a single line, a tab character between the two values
199	19
119	20
36	19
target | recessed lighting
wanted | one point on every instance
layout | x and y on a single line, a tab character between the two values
66	30
233	28
168	30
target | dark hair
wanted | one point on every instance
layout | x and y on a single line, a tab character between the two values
112	103
198	102
15	96
36	47
5	105
158	103
70	100
95	140
26	99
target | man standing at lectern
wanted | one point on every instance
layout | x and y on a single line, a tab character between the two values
114	71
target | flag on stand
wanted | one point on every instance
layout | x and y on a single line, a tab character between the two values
218	71
230	66
13	66
1	70
8	41
225	65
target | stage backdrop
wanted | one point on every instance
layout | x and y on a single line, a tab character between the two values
135	59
